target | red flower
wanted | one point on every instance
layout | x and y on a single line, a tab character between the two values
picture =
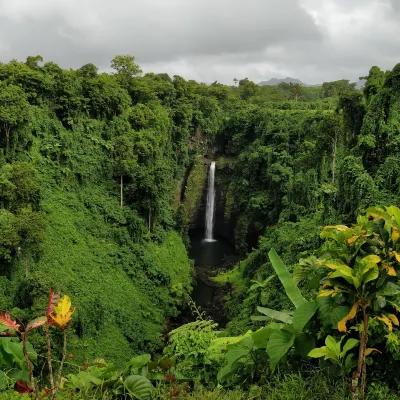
6	320
22	387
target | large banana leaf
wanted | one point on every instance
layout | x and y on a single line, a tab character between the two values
285	277
278	345
303	314
272	315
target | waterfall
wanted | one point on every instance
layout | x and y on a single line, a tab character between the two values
210	208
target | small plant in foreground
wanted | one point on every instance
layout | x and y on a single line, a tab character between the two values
58	314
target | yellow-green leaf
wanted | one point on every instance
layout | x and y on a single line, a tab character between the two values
342	324
335	263
371	350
337	227
391	271
325	293
386	321
394	319
397	255
352	240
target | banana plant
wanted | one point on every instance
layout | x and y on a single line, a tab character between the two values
288	331
361	265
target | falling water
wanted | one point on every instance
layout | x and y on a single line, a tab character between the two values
210	204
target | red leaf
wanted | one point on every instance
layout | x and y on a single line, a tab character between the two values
47	392
54	299
170	378
22	387
6	320
36	323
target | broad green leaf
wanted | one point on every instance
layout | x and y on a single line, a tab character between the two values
3	380
303	314
346	273
351	343
377	213
224	372
304	267
330	312
349	362
139	387
319	352
334	263
261	336
139	361
279	344
17	374
332	346
367	264
260	318
371	275
395	211
303	344
284	276
276	315
239	350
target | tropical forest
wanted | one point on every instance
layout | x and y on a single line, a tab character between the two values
162	238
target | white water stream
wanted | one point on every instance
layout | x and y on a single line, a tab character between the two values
210	208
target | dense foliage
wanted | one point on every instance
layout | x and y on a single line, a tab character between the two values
101	178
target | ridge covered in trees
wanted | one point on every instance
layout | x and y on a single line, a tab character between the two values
100	176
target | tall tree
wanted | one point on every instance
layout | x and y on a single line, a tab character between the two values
126	69
14	110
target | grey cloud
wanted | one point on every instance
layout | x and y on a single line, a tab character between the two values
204	39
153	30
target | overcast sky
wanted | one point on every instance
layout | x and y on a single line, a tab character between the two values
208	40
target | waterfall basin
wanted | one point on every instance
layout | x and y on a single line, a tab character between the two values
208	255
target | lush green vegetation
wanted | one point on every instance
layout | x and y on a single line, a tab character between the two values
101	178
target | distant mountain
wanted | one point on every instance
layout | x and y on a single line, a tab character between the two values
275	81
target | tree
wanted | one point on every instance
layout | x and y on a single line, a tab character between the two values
32	61
126	68
30	225
248	89
14	110
360	265
337	88
88	71
297	91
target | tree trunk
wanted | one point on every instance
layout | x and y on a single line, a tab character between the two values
64	354
150	220
334	148
361	366
7	130
29	365
26	266
49	358
364	364
122	188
